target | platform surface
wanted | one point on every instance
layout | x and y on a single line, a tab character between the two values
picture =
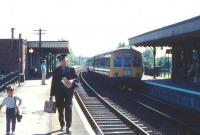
37	122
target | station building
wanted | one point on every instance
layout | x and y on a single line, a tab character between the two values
26	56
48	51
9	55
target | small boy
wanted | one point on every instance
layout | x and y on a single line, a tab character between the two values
10	102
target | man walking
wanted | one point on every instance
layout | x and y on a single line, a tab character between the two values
62	87
43	71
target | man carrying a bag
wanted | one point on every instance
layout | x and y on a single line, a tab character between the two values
63	75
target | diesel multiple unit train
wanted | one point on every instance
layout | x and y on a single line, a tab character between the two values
123	65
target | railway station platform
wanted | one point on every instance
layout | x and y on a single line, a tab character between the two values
35	121
181	94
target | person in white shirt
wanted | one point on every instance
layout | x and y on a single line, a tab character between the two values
43	71
10	103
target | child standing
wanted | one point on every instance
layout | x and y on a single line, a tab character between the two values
10	102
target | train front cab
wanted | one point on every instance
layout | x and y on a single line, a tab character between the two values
126	68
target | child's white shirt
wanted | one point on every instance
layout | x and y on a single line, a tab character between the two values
10	102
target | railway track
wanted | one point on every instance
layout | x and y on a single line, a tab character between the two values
149	114
106	118
184	120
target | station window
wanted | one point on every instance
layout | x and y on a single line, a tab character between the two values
118	61
182	55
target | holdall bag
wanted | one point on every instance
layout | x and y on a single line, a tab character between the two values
18	112
50	107
18	115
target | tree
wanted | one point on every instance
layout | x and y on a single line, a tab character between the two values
148	58
164	62
72	58
121	45
76	60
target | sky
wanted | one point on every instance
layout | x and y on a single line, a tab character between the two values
91	26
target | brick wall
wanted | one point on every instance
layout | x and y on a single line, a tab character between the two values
9	55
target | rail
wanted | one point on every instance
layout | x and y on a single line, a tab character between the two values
135	128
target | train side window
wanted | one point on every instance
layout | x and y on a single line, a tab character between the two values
118	61
108	63
100	63
136	62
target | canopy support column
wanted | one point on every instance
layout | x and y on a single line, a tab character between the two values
154	61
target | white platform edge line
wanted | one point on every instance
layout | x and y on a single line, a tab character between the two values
174	88
83	118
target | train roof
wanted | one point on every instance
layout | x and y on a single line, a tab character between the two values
118	49
108	54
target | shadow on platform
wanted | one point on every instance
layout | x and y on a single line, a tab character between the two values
36	85
38	77
57	132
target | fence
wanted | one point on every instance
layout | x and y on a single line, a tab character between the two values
8	79
158	71
165	72
152	71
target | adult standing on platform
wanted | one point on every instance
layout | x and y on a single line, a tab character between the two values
62	87
43	71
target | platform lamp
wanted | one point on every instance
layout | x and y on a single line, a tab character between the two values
30	50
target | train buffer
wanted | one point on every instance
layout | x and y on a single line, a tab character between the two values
37	122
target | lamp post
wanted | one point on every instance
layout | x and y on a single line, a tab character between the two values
31	51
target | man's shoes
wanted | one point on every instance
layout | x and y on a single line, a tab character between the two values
62	129
8	133
13	133
68	130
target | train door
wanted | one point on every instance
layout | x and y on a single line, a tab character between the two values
127	65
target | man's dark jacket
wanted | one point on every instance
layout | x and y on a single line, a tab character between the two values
57	87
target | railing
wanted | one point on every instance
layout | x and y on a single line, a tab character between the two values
165	72
8	79
152	71
158	71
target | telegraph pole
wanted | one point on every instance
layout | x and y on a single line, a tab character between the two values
12	36
19	61
40	32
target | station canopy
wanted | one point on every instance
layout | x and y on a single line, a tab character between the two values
183	33
52	46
